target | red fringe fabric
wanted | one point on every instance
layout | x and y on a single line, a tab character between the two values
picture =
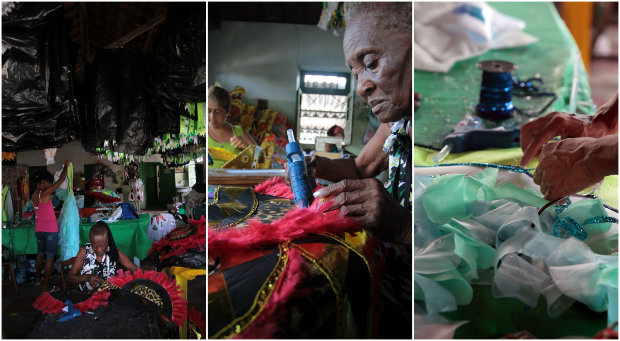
295	224
47	304
196	317
266	324
180	246
276	187
179	304
106	199
96	300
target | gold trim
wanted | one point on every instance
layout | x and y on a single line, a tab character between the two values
264	293
336	288
216	196
252	210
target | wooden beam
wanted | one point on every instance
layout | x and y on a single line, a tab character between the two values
120	42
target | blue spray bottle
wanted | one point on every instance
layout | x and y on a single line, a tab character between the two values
301	182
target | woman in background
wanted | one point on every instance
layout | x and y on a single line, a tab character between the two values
222	134
334	131
46	225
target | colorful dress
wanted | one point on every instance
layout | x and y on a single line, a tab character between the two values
398	145
227	146
104	269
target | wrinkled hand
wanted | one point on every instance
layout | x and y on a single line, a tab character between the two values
536	133
567	167
368	202
237	142
94	280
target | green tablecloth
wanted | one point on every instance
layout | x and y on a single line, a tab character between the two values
448	97
130	236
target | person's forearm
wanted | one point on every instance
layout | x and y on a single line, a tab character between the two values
79	278
603	158
336	170
61	179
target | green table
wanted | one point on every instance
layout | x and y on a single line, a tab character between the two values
21	239
130	236
448	97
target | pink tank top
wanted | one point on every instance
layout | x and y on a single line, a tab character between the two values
46	218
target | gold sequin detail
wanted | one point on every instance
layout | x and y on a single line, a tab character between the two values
240	323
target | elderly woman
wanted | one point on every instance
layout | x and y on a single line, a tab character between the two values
222	134
377	47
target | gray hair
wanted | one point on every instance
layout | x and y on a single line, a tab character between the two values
219	95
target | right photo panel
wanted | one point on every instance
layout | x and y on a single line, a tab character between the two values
515	170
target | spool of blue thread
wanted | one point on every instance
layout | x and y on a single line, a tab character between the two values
496	90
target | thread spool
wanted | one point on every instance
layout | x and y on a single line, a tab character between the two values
496	90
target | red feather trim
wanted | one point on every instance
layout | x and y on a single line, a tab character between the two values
179	304
106	199
295	224
196	317
266	324
96	300
180	246
276	187
47	304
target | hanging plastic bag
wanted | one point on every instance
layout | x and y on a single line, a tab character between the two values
69	223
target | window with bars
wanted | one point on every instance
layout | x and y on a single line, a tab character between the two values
323	102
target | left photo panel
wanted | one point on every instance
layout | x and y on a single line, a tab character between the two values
310	170
103	170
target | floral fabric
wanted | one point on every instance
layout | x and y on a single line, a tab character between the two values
398	145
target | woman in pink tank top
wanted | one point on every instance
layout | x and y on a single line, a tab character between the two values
46	225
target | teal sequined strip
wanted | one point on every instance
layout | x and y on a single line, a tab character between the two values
571	226
561	208
488	165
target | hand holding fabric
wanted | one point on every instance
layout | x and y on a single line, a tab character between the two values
238	142
94	280
536	133
571	165
368	202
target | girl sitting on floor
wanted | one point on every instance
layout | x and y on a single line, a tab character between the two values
97	261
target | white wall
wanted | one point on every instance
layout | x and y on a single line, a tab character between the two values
265	58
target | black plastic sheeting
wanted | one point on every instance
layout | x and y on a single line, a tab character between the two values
129	98
118	102
179	64
192	259
39	109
